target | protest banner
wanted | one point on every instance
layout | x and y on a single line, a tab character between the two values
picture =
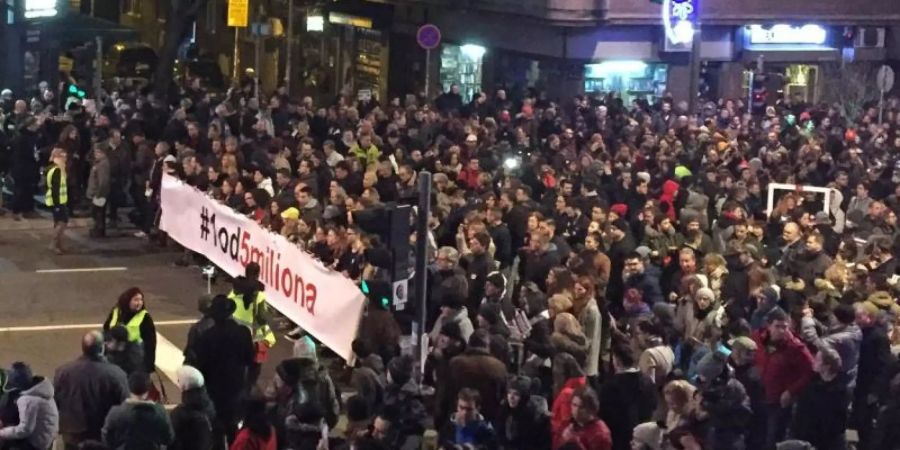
323	302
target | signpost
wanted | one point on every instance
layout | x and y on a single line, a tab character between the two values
429	37
885	82
238	16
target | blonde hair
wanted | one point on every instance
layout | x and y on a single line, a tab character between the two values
560	304
681	392
566	323
57	152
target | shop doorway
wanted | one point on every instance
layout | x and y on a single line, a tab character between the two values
462	65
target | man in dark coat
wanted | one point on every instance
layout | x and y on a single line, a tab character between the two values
86	389
874	360
24	166
820	417
629	397
193	419
225	353
477	369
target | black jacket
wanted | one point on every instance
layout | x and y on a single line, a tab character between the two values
629	399
874	359
225	351
820	417
86	389
193	421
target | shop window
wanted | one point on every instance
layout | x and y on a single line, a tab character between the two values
631	79
461	64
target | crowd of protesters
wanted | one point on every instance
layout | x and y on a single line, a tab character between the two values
602	275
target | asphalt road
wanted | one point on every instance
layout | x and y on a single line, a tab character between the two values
47	302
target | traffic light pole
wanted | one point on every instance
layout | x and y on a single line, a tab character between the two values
421	275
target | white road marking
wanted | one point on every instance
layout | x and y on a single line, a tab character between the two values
86	326
168	358
83	269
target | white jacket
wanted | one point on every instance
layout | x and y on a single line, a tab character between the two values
38	417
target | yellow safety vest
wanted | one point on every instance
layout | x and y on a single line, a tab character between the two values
63	190
133	326
247	316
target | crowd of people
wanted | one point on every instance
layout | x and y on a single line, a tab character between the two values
602	275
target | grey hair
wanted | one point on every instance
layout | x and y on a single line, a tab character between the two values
450	253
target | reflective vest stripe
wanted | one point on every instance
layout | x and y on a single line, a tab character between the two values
133	326
63	188
245	316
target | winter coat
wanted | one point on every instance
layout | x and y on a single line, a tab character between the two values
667	199
812	266
820	416
525	427
38	417
137	425
86	389
748	375
224	353
247	440
462	318
99	182
479	434
407	400
368	381
845	339
573	344
729	411
783	366
875	358
309	383
561	415
629	399
885	302
475	369
647	285
192	421
592	323
592	436
886	435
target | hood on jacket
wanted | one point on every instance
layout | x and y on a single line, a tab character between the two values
311	204
43	388
297	370
881	299
669	188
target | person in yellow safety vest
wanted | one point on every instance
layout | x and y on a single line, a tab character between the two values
57	197
252	311
131	313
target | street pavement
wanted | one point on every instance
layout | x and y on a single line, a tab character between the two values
47	302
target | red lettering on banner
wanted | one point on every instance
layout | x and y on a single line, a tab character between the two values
299	290
245	249
311	293
286	286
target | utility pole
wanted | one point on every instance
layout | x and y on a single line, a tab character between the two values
288	59
420	279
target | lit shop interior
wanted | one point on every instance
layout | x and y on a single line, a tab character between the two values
631	79
462	65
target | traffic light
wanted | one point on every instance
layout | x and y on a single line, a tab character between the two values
759	94
74	91
378	292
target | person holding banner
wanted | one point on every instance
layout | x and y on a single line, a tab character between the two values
251	310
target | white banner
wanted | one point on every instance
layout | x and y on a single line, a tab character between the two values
324	302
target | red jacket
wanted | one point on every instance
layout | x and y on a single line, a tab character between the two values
246	440
468	177
783	366
593	436
561	413
669	191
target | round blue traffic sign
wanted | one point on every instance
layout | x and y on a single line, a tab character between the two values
428	36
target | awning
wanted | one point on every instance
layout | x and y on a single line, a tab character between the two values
72	28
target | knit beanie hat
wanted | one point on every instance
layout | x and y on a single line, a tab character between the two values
648	434
189	378
711	366
305	348
20	377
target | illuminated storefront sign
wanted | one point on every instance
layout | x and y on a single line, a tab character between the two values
783	34
680	19
35	9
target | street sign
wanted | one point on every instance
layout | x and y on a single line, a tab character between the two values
885	78
428	36
238	13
